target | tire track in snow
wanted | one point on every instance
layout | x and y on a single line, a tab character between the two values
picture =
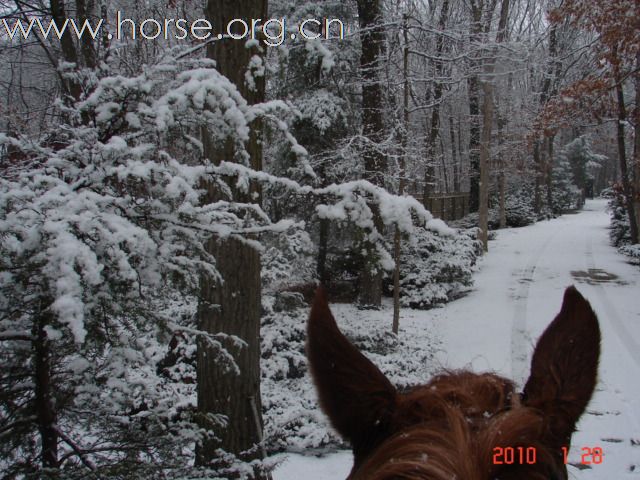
519	337
626	338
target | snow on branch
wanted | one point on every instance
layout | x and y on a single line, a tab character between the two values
353	201
21	336
104	211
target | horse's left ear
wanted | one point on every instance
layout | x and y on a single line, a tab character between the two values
564	367
356	396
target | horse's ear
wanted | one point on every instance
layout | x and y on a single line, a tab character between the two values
356	396
564	367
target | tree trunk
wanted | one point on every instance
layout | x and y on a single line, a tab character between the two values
71	87
324	225
555	70
627	185
549	87
86	42
44	405
233	305
395	327
454	157
503	198
323	246
474	144
434	125
636	149
375	164
502	181
473	91
487	124
485	145
537	163
549	171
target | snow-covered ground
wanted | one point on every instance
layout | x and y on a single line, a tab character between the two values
518	292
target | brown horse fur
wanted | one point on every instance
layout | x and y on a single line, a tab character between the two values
448	428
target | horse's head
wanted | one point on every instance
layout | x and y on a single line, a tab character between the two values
459	425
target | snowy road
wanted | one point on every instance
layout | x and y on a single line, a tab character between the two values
518	292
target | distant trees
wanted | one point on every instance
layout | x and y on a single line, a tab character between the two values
615	61
566	194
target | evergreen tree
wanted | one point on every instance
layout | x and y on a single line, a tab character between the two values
573	174
566	195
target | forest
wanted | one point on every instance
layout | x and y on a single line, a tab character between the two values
177	178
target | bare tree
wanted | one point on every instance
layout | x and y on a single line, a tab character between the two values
625	174
487	125
473	89
403	165
433	130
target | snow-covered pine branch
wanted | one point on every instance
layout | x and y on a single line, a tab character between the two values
97	220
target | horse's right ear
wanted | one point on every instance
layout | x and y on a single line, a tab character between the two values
356	396
564	367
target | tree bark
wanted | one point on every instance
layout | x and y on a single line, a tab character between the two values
232	306
372	38
87	49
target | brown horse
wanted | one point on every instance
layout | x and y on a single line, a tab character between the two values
460	425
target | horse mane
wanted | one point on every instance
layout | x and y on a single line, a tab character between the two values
450	427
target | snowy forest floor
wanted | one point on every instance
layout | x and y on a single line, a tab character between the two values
518	290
